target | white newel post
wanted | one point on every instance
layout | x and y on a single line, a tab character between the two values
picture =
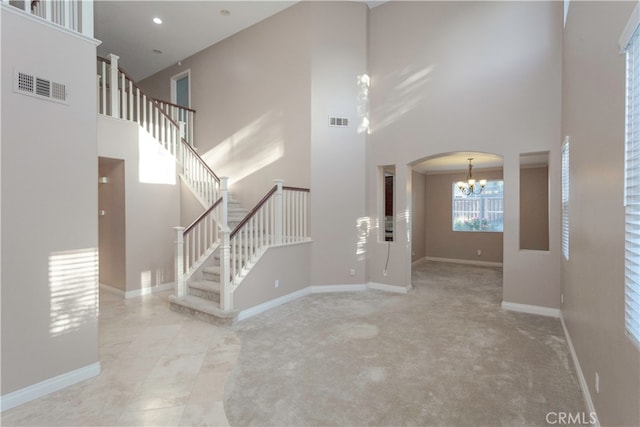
278	211
224	193
181	289
226	296
113	82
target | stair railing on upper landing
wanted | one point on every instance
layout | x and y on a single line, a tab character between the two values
74	15
119	96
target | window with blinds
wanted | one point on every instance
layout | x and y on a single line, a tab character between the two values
632	190
565	199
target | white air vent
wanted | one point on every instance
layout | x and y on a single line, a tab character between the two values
28	84
342	122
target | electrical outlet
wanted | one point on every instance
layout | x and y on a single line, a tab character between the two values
352	272
385	272
597	383
277	283
479	252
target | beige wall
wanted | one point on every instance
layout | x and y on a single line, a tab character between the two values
111	225
441	240
593	278
263	98
289	265
442	82
419	220
152	209
534	208
49	207
338	210
252	96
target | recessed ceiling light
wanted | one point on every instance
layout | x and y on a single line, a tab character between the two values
157	51
157	20
225	12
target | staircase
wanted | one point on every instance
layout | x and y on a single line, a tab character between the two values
204	286
218	250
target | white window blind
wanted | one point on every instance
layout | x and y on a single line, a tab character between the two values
565	199
632	191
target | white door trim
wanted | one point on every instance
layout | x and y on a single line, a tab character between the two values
172	85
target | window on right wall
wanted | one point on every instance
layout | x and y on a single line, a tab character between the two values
631	44
478	212
565	199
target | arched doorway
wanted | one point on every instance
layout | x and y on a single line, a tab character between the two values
455	224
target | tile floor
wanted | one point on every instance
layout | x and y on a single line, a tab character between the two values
158	368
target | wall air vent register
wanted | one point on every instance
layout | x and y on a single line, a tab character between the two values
28	84
342	122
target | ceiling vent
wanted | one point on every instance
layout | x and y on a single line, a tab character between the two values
28	84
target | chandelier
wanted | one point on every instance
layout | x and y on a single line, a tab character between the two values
471	186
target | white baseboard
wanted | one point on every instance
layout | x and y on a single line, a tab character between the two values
316	289
112	290
418	261
463	261
35	391
387	288
146	291
322	289
261	308
531	309
581	379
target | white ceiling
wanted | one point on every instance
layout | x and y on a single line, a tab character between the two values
126	28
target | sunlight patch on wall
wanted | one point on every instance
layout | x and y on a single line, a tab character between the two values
405	97
151	278
73	288
258	144
155	164
405	216
145	279
363	225
363	103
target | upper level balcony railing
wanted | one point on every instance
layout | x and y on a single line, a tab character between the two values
74	15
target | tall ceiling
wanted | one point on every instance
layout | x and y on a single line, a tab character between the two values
126	28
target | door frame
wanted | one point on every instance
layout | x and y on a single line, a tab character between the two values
173	82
